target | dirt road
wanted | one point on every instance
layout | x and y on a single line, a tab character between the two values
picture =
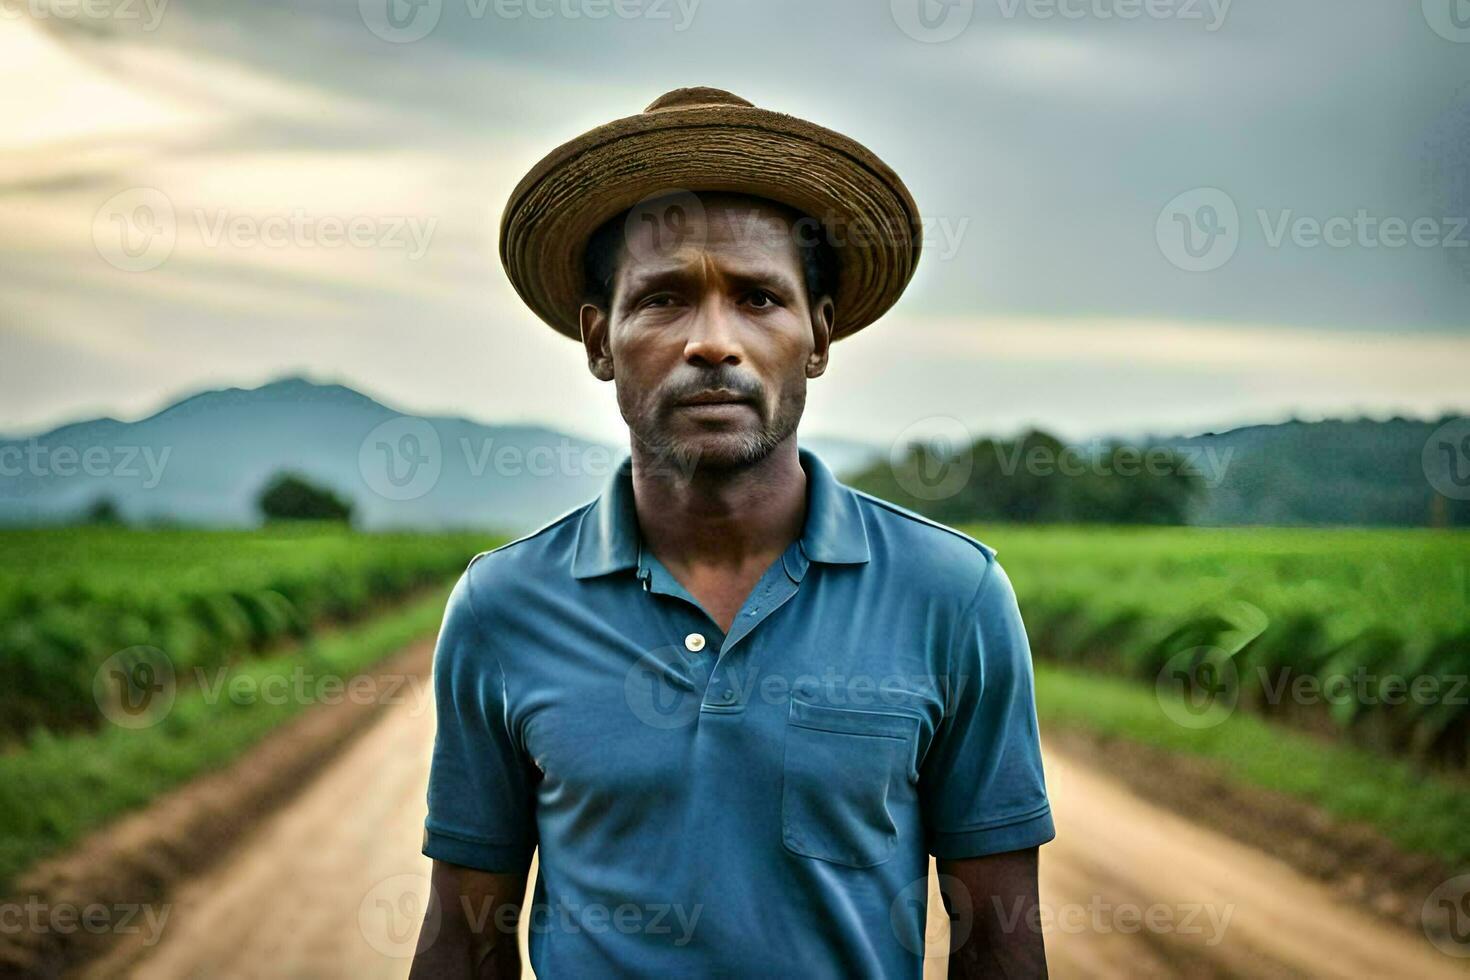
1130	889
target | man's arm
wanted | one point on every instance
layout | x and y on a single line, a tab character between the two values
477	913
1003	938
983	792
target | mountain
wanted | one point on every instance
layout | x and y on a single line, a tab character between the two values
1399	472
204	459
1360	472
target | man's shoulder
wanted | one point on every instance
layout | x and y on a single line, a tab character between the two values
535	553
944	558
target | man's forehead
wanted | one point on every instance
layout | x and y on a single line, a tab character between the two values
746	235
727	219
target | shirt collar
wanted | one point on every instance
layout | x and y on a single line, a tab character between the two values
608	537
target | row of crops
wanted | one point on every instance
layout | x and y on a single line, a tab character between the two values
1363	634
1348	632
72	598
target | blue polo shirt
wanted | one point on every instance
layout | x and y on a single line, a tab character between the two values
758	802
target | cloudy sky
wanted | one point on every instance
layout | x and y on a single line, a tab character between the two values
1141	215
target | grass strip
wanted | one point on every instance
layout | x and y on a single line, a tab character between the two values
57	788
1417	811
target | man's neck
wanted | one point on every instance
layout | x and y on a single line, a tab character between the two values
726	518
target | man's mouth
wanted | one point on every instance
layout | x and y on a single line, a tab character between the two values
718	396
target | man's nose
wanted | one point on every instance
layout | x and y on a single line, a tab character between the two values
713	335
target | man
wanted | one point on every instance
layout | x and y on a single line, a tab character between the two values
734	703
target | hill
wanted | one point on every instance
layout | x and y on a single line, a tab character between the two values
204	460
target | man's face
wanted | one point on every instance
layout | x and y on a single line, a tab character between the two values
711	336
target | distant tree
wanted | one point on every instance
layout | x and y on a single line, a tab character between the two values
103	510
292	497
1037	478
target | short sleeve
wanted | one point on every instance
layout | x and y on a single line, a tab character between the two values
981	785
481	794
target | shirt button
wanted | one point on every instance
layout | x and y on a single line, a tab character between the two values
694	642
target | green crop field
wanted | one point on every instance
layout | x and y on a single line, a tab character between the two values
1363	633
71	598
1109	612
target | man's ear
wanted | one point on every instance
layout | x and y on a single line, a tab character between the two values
824	314
594	340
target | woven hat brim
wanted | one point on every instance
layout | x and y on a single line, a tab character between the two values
865	211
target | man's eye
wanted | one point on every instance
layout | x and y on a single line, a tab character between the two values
658	299
761	299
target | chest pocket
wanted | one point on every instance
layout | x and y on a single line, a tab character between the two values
840	768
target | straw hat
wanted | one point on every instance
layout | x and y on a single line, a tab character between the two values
706	139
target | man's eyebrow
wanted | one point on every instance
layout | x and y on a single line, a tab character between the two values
641	281
765	275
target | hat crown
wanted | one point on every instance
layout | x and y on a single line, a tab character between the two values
698	95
